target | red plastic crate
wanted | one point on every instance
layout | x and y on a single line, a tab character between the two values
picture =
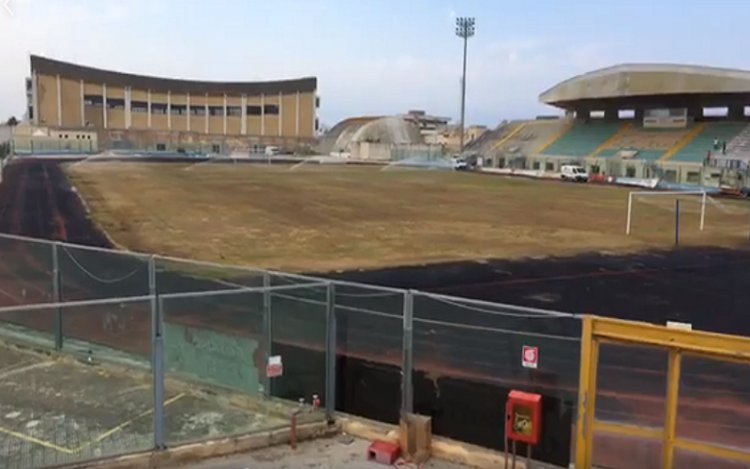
383	452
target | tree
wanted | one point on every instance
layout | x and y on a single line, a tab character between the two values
12	121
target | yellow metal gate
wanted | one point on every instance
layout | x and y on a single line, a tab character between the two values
645	418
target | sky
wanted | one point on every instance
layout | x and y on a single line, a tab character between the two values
373	57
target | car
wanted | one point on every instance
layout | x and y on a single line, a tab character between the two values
459	164
573	172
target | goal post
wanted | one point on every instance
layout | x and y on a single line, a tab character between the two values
631	195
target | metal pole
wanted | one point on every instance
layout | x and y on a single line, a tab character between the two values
157	355
703	210
330	351
630	207
677	222
267	329
463	94
57	296
407	390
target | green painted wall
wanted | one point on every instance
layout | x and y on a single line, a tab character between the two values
212	357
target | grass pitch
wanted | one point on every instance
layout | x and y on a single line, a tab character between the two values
323	218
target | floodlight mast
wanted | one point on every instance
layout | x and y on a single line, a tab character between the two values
464	29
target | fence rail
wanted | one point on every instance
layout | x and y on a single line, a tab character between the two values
220	327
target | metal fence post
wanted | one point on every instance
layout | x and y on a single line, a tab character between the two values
57	296
157	355
407	390
330	351
267	330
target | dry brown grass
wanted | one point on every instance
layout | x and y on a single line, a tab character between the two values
319	218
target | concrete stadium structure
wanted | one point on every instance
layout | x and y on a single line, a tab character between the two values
144	112
638	120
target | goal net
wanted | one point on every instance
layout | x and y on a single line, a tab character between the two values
692	202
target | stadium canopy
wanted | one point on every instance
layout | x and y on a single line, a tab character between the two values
643	86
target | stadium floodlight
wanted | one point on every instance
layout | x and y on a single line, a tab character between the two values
675	194
464	29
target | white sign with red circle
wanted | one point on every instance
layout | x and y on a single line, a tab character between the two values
274	368
530	357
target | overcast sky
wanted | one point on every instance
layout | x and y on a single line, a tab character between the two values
373	56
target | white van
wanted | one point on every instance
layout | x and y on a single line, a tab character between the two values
573	172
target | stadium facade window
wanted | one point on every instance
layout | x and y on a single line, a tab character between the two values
746	111
317	124
317	102
158	108
116	103
31	112
549	166
254	111
596	114
216	110
595	169
693	177
215	148
178	110
501	162
197	110
161	147
271	109
630	171
93	100
234	111
626	114
536	165
139	106
715	111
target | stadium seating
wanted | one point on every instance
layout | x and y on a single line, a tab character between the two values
651	144
582	139
697	149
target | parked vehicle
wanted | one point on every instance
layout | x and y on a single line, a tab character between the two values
575	173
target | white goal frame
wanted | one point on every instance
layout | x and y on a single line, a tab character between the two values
703	195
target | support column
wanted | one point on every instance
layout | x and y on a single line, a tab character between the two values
169	110
104	103
148	108
330	396
243	124
35	97
187	104
59	101
267	330
225	113
262	114
157	355
128	115
639	113
611	114
583	114
206	113
296	116
407	365
281	114
57	295
736	112
83	105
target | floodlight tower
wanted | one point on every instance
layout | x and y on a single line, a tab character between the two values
464	30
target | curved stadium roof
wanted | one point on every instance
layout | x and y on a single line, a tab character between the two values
632	80
157	84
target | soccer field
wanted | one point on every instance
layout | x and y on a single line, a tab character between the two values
324	218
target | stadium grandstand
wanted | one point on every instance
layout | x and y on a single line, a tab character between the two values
144	112
682	123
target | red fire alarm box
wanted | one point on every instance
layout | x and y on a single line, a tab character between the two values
523	417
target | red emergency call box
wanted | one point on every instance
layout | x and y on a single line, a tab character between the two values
523	417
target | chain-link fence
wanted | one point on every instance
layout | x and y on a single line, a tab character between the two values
207	350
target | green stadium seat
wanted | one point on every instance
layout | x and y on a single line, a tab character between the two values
582	139
697	149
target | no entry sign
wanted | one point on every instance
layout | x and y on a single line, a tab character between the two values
274	368
530	357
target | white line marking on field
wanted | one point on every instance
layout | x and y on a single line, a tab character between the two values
24	369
